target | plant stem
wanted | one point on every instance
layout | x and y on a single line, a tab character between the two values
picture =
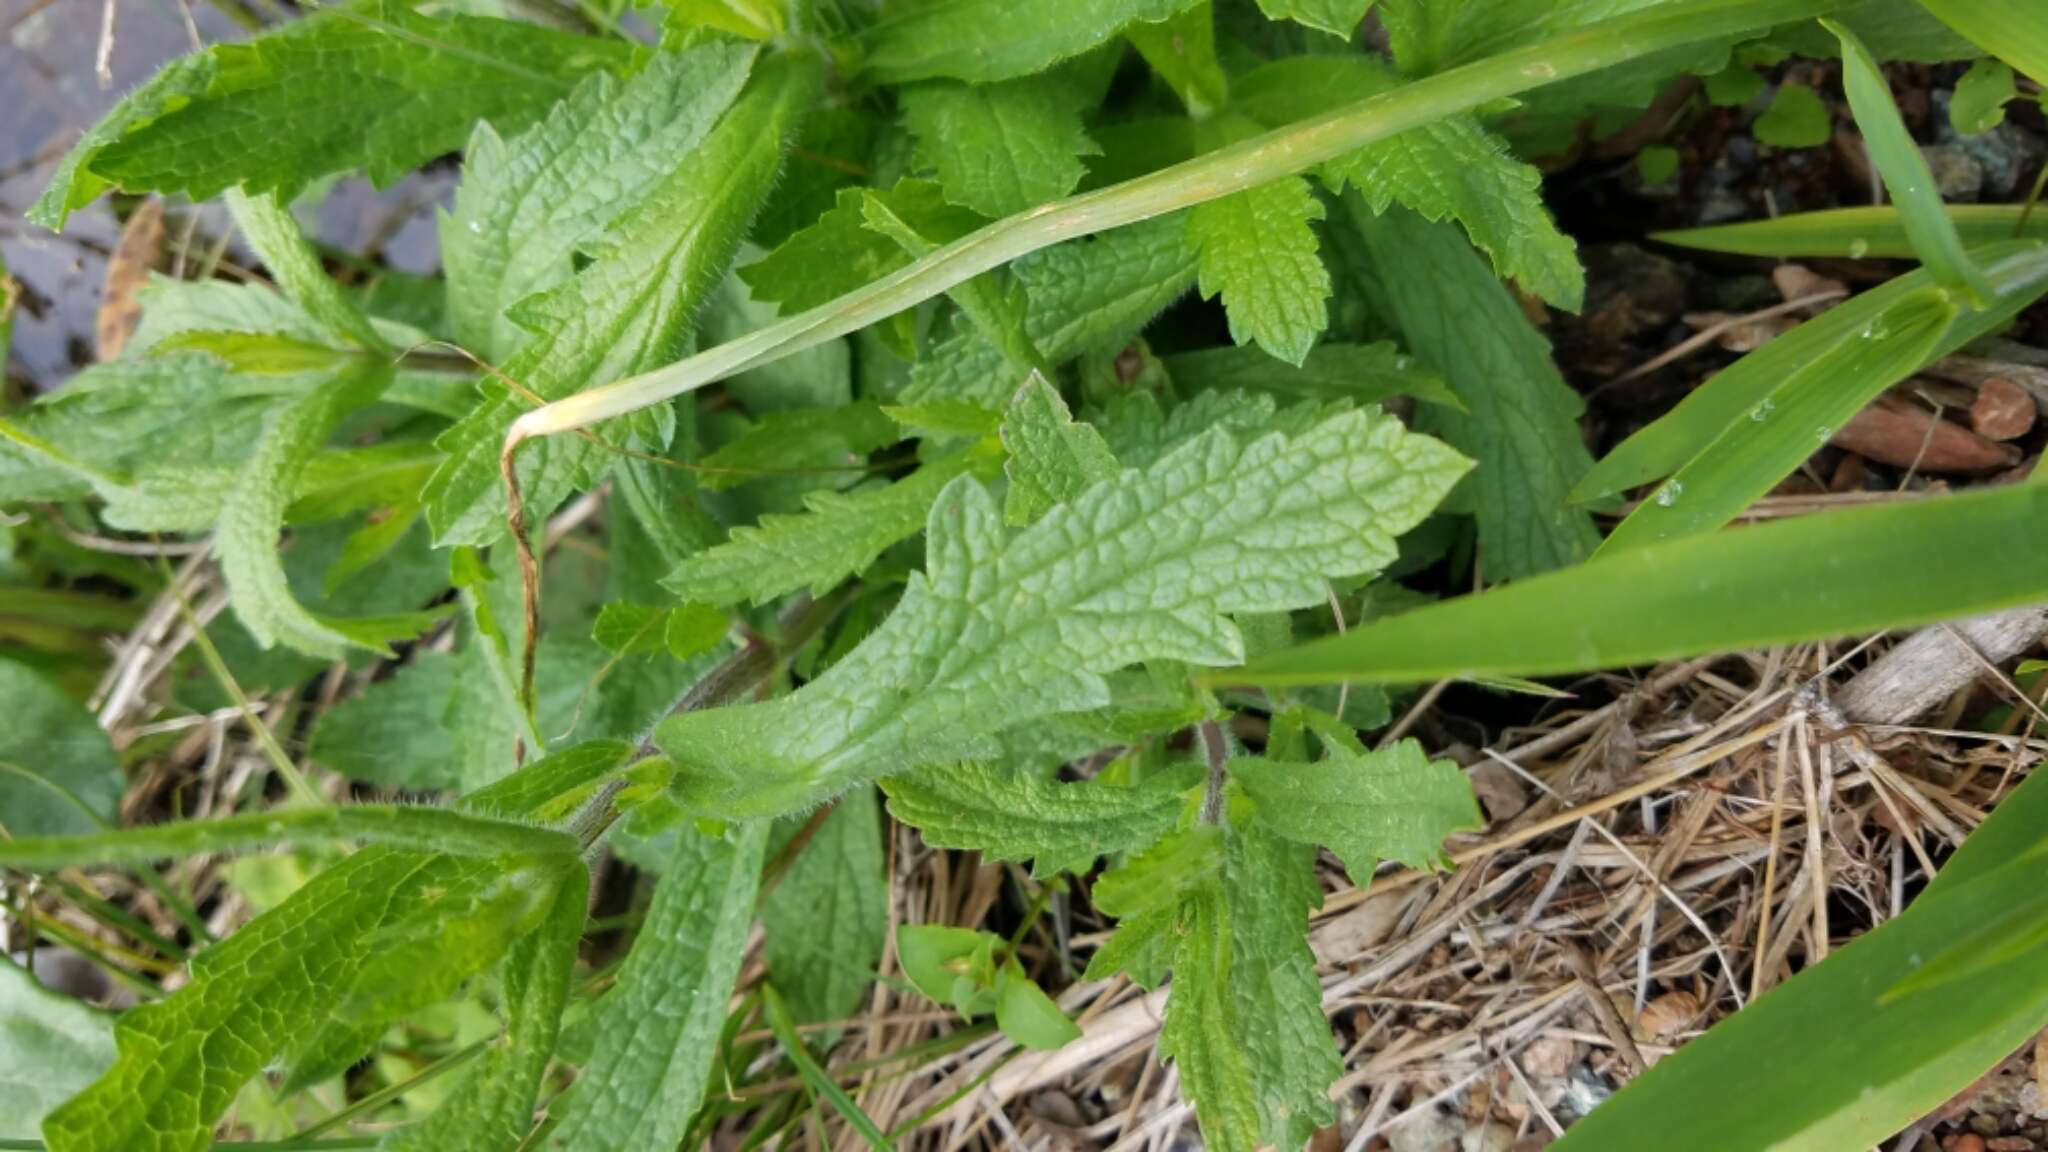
735	676
1216	753
265	738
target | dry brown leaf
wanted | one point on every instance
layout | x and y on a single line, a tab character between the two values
1797	282
1905	435
135	255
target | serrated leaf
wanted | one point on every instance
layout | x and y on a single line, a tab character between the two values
55	1047
526	204
832	256
1139	432
827	443
1052	458
75	184
253	515
1000	148
1086	296
1010	815
493	1108
139	423
58	773
824	925
1000	631
1361	373
1258	252
1393	804
658	1027
629	311
1244	1023
838	537
1450	168
987	40
1522	426
371	86
1337	17
253	996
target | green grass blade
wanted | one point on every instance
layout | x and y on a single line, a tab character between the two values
816	1078
2015	31
1905	171
1838	574
1751	456
1876	233
417	828
1881	1039
1727	400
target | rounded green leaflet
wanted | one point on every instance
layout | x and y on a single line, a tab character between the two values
58	774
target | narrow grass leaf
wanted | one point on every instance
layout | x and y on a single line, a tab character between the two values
817	1079
1874	232
1838	574
2018	269
1877	1050
1905	172
1749	459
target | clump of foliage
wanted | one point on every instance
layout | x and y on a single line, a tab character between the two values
976	388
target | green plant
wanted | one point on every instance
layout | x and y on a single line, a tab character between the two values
925	249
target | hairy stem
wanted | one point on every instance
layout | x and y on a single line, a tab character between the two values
1216	753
